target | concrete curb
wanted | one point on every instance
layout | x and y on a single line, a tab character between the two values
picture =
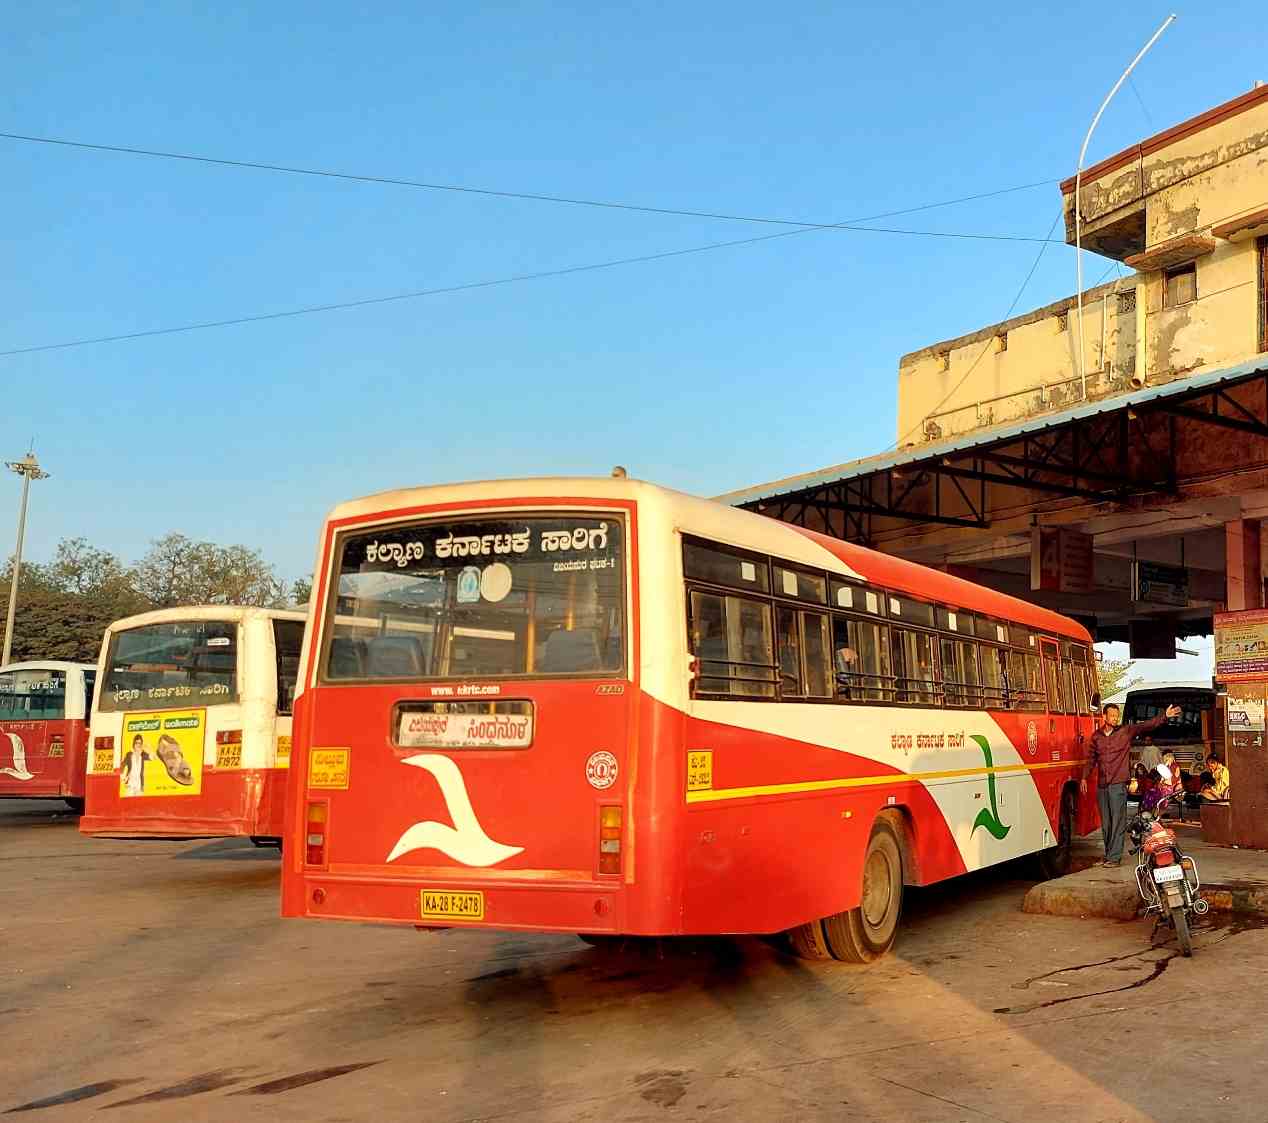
1117	900
1108	899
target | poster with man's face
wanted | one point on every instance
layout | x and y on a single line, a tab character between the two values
162	753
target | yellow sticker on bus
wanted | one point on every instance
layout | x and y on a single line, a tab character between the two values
283	750
328	768
699	770
444	904
103	760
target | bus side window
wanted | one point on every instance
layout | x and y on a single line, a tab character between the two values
915	667
994	675
288	638
817	651
90	690
953	672
790	682
861	660
731	638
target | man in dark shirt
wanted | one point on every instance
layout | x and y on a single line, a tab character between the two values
1109	754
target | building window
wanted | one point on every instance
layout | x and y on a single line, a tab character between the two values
1127	303
1180	285
1001	342
1063	321
944	360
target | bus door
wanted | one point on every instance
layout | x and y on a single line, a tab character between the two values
467	738
288	640
1054	737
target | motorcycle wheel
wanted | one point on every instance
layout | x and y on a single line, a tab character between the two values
1180	919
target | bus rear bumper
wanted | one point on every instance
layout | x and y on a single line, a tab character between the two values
232	804
579	906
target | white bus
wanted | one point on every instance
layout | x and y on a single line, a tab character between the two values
191	726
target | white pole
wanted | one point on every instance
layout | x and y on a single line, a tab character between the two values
1078	190
29	469
17	572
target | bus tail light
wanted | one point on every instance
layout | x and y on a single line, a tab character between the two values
229	737
103	743
315	832
609	839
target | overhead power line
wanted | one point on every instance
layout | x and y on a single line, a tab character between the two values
990	342
420	293
531	196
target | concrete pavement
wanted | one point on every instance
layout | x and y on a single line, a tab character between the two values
1232	880
154	981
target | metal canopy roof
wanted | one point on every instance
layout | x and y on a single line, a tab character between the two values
1089	451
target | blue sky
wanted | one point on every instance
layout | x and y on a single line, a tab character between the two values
705	372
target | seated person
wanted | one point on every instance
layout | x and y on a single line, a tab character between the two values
789	666
1140	784
844	662
1166	782
1217	789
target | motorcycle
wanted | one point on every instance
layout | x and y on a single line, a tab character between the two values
1166	877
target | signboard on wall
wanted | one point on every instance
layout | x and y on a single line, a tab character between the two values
1160	584
1061	560
1241	645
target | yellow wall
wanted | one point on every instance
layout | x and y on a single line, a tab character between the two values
1211	176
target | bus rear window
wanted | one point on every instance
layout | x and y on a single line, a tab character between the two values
536	595
32	695
180	663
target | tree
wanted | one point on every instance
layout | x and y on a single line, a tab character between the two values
178	571
54	623
301	590
81	568
1115	676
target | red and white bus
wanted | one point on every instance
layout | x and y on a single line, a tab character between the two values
602	707
43	729
191	728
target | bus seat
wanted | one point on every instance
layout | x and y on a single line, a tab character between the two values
347	657
577	650
395	657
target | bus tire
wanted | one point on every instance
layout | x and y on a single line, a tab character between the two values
76	805
1056	860
808	941
604	942
866	933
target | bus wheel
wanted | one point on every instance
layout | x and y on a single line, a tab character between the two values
1056	860
867	932
76	805
808	942
595	940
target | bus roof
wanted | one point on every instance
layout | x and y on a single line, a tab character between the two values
729	525
1164	687
48	665
204	612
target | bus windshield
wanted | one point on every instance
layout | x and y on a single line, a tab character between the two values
189	662
32	695
535	595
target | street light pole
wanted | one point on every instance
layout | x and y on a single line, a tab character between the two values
29	469
1078	191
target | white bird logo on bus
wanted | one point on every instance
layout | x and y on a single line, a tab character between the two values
466	841
19	770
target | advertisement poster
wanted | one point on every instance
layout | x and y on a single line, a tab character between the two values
1241	644
162	753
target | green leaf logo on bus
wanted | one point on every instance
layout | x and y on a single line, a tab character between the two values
988	817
